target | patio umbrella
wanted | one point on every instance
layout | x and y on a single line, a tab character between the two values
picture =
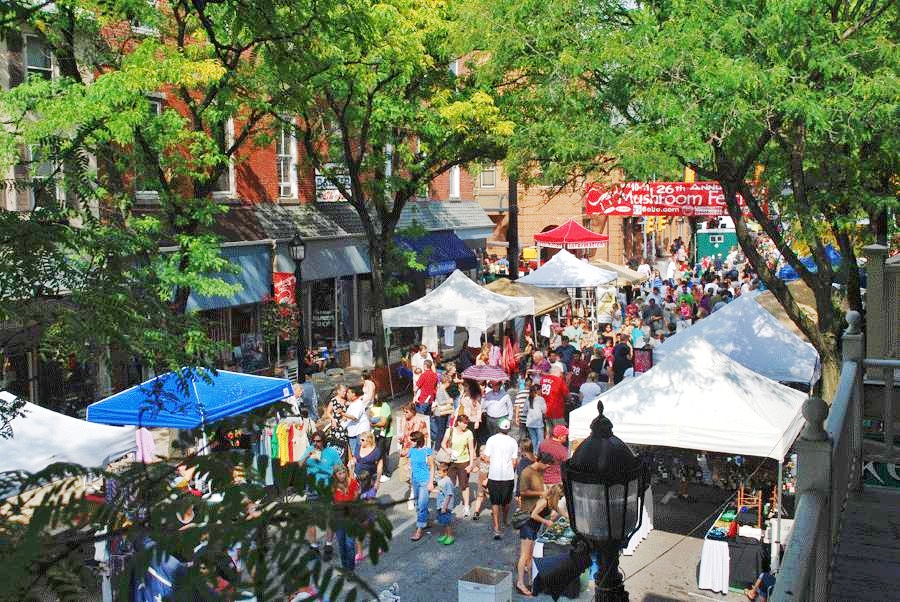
485	373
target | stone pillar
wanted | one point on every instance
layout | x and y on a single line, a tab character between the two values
876	343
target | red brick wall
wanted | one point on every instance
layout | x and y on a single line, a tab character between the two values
439	189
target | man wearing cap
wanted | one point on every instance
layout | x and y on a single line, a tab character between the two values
497	405
502	454
555	447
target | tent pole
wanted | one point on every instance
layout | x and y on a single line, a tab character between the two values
776	539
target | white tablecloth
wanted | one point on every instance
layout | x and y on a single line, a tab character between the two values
646	525
714	566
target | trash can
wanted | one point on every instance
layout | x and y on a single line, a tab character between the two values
485	585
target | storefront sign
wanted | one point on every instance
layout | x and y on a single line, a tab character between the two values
326	191
285	285
657	199
441	268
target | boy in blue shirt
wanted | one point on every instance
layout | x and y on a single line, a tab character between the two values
444	504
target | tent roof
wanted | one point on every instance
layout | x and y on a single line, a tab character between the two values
564	270
698	398
571	235
163	401
747	333
625	275
42	437
458	301
545	299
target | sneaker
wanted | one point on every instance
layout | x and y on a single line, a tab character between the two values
360	557
441	539
385	478
410	505
466	511
448	540
498	536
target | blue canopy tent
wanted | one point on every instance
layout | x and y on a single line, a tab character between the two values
200	398
788	272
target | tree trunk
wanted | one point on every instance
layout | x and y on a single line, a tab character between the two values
377	300
512	232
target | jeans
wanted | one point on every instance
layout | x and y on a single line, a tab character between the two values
346	548
422	497
437	427
536	434
354	445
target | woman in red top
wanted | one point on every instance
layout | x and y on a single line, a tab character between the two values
346	489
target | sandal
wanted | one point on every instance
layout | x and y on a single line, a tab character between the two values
524	592
477	515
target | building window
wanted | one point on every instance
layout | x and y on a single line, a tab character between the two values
143	25
38	58
146	183
224	186
286	157
454	67
454	182
489	177
42	187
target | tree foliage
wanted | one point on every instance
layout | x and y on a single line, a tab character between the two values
805	89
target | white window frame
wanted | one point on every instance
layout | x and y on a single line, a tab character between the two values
57	190
454	67
141	28
453	188
231	193
150	196
51	71
287	188
388	160
491	170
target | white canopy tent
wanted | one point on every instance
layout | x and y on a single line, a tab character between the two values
747	333
458	301
699	398
42	437
564	270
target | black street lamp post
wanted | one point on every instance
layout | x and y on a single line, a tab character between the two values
605	481
298	253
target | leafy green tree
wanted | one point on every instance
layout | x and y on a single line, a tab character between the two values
385	115
806	89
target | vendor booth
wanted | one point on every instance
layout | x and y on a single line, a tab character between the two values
571	235
41	437
747	333
545	299
625	276
191	402
698	398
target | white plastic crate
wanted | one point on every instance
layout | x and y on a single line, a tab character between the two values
485	585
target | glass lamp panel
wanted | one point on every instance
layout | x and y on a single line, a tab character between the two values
632	506
590	510
616	511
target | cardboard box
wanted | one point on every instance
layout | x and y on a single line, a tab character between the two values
485	585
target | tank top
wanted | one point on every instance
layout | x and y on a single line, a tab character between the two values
459	444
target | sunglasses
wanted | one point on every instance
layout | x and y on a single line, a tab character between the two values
318	441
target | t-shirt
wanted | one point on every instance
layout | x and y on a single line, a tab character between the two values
534	417
358	421
520	404
384	411
502	450
418	462
427	384
589	392
444	493
554	391
579	371
566	352
459	444
350	494
560	453
321	467
530	480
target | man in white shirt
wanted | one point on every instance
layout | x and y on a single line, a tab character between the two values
644	268
498	406
355	419
417	364
502	454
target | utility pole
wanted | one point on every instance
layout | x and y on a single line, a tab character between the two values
512	232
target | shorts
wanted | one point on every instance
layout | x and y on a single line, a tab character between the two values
501	492
529	530
457	472
444	519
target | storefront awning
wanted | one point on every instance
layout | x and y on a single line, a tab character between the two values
254	275
444	252
323	262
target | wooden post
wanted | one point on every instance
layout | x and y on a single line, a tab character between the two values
875	302
853	349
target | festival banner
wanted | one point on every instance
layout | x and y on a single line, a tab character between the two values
285	285
704	199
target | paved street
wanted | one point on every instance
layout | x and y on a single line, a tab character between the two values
428	571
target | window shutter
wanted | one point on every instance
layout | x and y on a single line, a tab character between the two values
16	62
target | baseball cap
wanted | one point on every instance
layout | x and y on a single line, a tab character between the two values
560	430
504	425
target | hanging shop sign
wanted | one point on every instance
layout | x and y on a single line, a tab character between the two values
704	199
285	285
326	190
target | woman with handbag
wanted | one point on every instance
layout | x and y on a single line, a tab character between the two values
543	513
459	442
441	410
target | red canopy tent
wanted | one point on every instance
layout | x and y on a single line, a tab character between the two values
571	235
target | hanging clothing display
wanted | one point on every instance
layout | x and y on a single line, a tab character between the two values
547	327
430	338
449	336
146	446
474	337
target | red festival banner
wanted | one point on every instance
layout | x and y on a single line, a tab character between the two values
285	287
704	199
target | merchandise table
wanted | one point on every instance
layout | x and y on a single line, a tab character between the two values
737	561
